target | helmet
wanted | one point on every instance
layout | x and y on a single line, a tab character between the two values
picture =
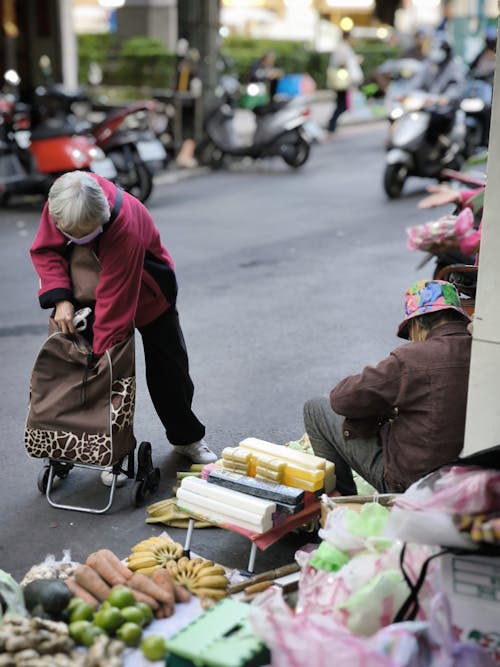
490	37
441	48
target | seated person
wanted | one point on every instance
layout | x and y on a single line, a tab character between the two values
396	421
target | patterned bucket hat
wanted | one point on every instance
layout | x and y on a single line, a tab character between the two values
429	296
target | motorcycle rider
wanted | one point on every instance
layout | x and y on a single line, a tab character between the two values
443	73
483	65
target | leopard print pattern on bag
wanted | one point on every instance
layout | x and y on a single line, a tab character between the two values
86	448
122	403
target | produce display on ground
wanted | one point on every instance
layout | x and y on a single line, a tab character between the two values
394	578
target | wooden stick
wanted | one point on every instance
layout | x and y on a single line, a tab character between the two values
270	575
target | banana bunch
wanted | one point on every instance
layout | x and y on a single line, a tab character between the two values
200	576
167	512
151	554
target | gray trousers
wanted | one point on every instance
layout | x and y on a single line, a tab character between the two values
364	455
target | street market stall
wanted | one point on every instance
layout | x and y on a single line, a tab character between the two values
395	581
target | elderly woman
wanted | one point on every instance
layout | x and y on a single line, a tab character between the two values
136	286
395	422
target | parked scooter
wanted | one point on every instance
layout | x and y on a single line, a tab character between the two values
428	136
34	154
279	131
126	137
476	103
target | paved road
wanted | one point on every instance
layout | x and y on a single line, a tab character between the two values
288	281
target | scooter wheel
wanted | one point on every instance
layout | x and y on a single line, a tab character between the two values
209	155
299	155
394	179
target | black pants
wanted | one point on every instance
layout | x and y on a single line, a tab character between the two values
167	375
340	107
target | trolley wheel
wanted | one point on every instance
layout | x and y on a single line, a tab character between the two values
43	479
62	470
148	477
138	493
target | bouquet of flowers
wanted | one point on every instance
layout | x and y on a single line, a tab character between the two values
448	231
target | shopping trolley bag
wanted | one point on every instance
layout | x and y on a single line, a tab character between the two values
80	410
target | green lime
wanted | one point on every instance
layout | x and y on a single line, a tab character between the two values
82	612
108	619
77	628
89	634
130	634
146	610
153	647
133	615
74	602
120	597
105	605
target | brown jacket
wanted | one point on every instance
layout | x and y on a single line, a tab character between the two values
415	399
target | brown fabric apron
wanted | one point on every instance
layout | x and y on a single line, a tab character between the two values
80	412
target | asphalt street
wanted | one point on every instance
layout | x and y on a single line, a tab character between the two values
289	280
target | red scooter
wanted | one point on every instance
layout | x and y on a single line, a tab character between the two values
34	154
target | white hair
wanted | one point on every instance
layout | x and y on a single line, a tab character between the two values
77	203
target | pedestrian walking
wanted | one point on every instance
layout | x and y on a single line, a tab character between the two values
344	74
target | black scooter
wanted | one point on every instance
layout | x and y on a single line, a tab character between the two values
279	131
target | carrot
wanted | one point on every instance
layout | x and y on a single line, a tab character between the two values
88	579
181	594
142	597
109	567
164	581
140	582
80	592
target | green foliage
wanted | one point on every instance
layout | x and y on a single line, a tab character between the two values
297	57
138	61
145	62
291	56
374	53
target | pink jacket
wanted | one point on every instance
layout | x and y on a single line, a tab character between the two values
137	280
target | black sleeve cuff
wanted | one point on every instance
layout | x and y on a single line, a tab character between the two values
52	297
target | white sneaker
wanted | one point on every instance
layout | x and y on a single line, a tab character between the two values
107	478
198	452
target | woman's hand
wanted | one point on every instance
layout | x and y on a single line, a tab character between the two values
63	317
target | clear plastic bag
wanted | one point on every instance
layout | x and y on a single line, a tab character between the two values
51	568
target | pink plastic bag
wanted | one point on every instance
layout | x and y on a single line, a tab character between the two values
430	644
365	594
446	228
308	639
455	490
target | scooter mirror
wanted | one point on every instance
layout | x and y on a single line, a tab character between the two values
12	77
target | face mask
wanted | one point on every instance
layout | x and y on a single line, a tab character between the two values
437	56
84	239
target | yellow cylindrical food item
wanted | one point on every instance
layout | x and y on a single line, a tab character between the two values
297	483
268	475
236	467
242	455
271	462
284	453
304	473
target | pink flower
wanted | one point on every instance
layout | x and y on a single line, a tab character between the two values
465	222
412	304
